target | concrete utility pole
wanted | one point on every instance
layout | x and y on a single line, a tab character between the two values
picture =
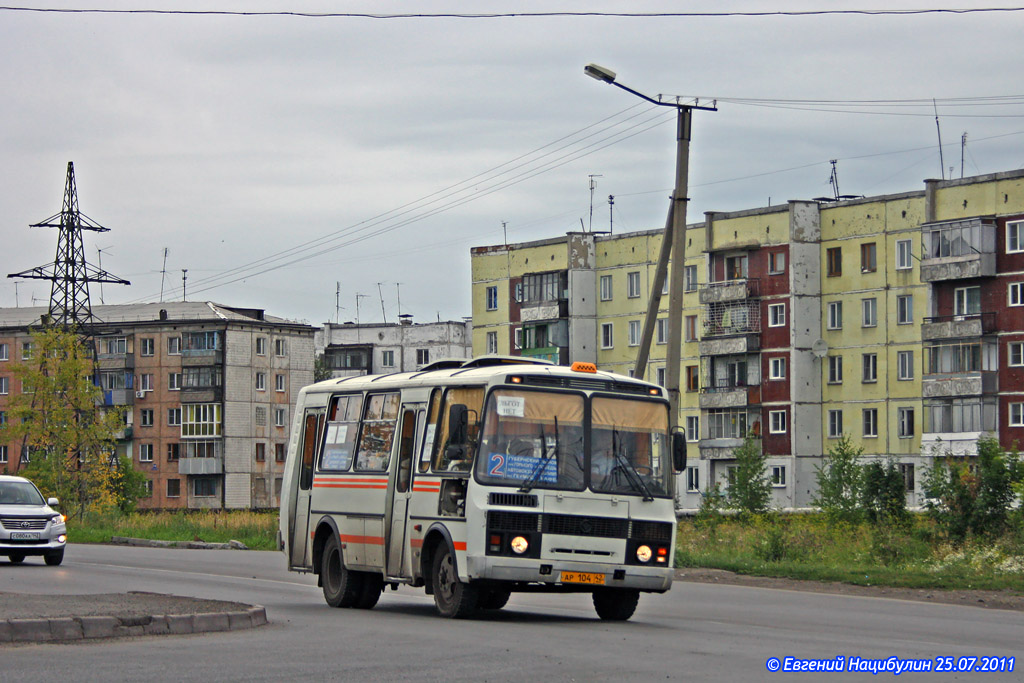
675	238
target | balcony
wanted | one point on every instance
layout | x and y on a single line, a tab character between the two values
727	346
115	361
124	435
958	326
202	394
191	358
194	466
118	397
543	310
955	250
960	384
722	449
555	354
729	290
730	396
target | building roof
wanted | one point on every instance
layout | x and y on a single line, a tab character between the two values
175	311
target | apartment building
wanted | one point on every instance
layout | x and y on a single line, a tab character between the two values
210	392
897	320
381	348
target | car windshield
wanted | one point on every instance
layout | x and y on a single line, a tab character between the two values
629	447
19	493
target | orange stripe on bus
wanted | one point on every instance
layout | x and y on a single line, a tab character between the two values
350	486
368	540
416	543
459	545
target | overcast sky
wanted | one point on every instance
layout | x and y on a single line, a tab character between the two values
390	147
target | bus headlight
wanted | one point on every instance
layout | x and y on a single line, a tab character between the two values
519	545
643	553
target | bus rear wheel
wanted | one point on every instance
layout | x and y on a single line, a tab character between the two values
616	604
342	588
453	599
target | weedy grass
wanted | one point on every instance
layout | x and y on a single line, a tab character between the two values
257	530
911	555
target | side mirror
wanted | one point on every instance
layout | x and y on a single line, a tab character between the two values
678	451
458	424
52	502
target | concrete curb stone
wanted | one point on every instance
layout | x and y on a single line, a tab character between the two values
191	545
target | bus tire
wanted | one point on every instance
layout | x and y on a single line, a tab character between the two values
616	604
494	598
453	599
342	588
373	586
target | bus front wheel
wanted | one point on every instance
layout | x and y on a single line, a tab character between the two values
616	604
342	588
453	598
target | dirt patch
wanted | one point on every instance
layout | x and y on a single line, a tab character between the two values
972	598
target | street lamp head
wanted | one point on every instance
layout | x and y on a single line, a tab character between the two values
600	73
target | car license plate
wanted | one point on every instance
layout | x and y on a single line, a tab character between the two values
24	536
583	577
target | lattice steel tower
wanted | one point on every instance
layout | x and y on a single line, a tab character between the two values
69	274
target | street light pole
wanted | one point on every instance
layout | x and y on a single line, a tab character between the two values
673	246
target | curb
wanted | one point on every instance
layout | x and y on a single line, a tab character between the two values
193	545
62	629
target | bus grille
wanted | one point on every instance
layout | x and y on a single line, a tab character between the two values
655	532
574	525
19	523
504	520
523	500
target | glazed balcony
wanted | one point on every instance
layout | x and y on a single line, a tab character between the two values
957	250
195	466
958	326
959	384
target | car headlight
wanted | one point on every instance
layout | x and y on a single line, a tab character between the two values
643	553
58	519
519	545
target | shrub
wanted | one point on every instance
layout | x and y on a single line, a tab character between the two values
839	482
750	490
883	495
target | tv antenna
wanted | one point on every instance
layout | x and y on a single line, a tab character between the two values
833	180
592	185
163	274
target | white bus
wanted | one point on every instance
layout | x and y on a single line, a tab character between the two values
475	479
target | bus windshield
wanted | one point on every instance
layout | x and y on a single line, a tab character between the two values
537	439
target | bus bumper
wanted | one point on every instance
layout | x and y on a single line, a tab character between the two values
538	571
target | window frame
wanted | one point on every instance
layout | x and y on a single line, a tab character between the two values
869	312
633	333
147	347
606	291
387	358
904	369
633	284
692	479
834	261
1015	294
778	476
905	422
868	257
1018	227
774	267
869	423
146	452
834	315
778	422
869	368
1018	419
261	381
835	423
693	428
1019	345
491	297
661	331
607	336
835	369
491	342
904	254
777	315
777	368
904	309
689	278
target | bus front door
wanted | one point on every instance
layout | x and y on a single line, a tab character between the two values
410	435
312	424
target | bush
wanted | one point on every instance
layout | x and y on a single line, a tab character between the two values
840	479
750	490
883	495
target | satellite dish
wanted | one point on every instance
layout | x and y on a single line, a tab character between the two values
819	348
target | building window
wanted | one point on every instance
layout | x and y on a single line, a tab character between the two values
146	417
692	479
659	375
904	309
279	383
834	257
606	288
146	382
387	359
492	298
871	422
735	267
664	286
907	470
868	261
777	421
3	417
967	301
727	423
835	424
634	333
544	287
204	487
869	312
691	328
174	346
174	417
776	263
145	452
661	329
1014	237
779	476
835	315
633	284
3	352
776	315
279	452
261	346
690	278
422	357
280	347
517	337
870	368
173	488
4	385
174	381
492	342
607	338
906	422
1017	414
903	255
692	428
904	365
261	452
261	381
1016	353
173	452
1016	294
692	383
149	489
112	346
777	368
280	416
201	419
3	455
147	346
835	369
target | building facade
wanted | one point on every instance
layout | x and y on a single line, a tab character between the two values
897	320
381	348
210	392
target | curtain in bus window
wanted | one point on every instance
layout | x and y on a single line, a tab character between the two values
378	432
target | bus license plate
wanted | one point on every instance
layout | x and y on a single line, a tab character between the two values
583	577
24	536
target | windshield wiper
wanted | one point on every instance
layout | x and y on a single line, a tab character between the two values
545	457
632	476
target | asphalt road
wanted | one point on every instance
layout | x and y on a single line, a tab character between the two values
695	632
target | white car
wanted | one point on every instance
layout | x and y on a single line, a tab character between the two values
28	524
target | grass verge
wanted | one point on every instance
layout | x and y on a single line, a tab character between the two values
257	530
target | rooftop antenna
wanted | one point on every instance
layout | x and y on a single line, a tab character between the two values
184	280
398	289
163	275
938	131
358	297
16	283
833	180
337	303
611	207
380	293
592	176
963	148
70	274
504	231
99	263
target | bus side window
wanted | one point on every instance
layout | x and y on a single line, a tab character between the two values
308	451
431	431
378	432
472	398
405	448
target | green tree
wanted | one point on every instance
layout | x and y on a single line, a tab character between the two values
56	418
750	489
128	485
883	493
320	369
973	495
840	479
